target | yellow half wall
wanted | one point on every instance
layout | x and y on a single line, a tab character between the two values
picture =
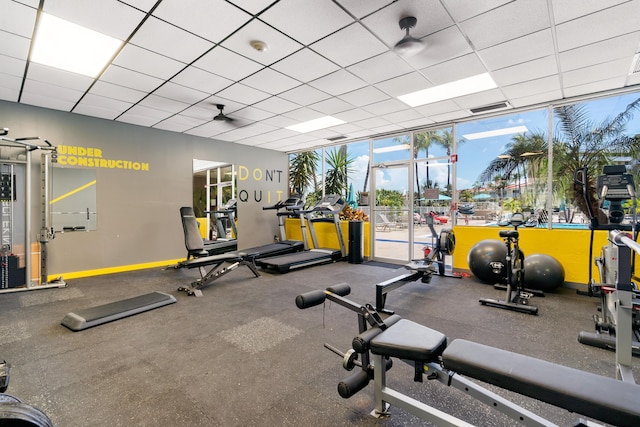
569	247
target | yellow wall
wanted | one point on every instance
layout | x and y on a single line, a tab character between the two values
569	247
326	234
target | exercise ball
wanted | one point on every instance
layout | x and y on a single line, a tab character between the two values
542	272
482	254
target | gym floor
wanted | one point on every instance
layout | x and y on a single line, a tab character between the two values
244	355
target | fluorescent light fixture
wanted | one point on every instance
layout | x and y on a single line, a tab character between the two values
496	132
391	148
449	90
71	47
315	124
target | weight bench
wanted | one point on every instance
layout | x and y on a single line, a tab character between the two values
219	266
601	398
89	317
616	402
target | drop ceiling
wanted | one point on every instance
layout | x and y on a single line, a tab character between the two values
182	57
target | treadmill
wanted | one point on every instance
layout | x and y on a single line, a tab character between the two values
223	244
330	206
285	209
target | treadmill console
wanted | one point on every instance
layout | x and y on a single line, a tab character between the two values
333	203
616	185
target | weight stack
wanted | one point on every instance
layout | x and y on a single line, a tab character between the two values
11	275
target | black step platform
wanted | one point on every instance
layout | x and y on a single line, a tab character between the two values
94	316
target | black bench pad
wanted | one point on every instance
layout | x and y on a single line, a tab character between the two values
602	398
410	341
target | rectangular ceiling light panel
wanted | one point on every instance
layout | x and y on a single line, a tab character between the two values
450	90
71	47
315	124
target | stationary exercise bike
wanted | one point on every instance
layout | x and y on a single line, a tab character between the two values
517	296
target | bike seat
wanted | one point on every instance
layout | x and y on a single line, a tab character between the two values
509	234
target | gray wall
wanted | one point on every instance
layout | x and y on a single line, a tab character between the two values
138	217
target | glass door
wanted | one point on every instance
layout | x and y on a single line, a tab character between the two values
391	213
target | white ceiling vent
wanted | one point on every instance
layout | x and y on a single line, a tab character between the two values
492	107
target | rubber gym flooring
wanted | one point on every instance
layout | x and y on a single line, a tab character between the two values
244	355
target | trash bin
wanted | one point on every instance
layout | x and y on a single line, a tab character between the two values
355	254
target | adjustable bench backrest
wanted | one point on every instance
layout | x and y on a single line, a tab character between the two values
192	239
602	398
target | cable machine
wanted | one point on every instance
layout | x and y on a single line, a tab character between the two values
16	280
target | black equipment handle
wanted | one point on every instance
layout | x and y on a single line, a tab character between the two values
310	299
353	384
313	298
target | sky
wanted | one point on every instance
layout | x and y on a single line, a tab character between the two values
473	154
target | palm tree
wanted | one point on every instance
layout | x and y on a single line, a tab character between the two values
303	169
582	143
339	164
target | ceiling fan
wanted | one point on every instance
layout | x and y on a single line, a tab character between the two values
409	45
221	117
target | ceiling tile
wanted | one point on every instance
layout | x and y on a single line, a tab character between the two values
144	61
178	123
441	46
212	19
48	96
304	95
455	69
567	10
504	23
303	114
533	46
404	84
163	104
109	17
306	24
354	115
595	87
385	107
160	37
253	6
532	87
243	94
12	66
276	105
17	19
429	110
381	67
461	10
14	46
331	106
589	29
252	114
403	116
131	79
338	83
597	72
144	113
196	78
526	71
270	81
100	106
180	93
360	8
57	77
349	45
481	99
365	96
604	51
314	66
538	98
144	5
279	45
227	64
109	90
280	121
10	87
